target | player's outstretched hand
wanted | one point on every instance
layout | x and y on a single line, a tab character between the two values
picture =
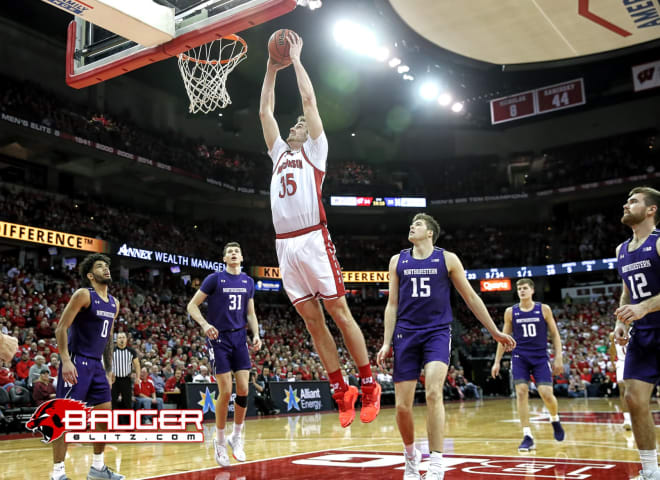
495	370
256	343
384	352
629	313
506	340
210	331
8	347
295	45
621	334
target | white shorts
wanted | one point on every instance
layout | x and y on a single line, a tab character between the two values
309	267
619	371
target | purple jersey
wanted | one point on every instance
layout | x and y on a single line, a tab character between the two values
424	289
640	271
228	296
89	331
530	330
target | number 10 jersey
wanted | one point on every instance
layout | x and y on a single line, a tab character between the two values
530	330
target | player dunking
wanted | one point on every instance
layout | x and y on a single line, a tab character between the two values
619	352
305	252
418	325
638	262
84	338
230	308
530	322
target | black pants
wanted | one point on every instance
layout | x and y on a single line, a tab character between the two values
123	386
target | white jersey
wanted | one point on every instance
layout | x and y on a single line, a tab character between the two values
620	353
295	187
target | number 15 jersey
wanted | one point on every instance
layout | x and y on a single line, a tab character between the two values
295	187
424	287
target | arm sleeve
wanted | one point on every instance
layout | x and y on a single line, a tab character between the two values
279	146
209	284
316	151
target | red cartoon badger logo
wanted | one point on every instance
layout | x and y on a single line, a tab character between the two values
48	419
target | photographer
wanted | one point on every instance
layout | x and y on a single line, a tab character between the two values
262	399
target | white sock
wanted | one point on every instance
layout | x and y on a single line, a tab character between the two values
58	470
649	460
554	418
220	435
527	431
238	428
97	461
626	417
410	450
436	462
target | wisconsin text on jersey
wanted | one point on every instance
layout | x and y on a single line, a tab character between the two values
293	163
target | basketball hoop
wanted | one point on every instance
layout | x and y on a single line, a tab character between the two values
205	70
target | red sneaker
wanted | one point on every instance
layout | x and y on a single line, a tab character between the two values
346	404
370	402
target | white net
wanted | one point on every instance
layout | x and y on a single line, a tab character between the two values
205	70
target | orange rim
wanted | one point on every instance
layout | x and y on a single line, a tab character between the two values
233	37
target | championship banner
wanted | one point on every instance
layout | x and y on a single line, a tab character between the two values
646	76
26	233
348	275
294	397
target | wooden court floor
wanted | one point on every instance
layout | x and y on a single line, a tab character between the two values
485	429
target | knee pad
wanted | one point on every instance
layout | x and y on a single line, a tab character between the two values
241	400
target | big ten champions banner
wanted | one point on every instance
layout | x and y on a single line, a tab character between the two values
203	396
293	397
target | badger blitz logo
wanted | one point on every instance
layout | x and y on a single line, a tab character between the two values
79	423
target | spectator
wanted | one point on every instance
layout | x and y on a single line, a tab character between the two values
203	376
174	389
23	369
145	394
35	369
43	388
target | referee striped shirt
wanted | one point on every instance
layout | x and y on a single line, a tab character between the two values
122	361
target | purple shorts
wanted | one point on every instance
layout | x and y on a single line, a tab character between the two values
229	352
92	388
413	349
643	355
525	364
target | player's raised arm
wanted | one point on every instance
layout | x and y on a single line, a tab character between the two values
310	110
507	329
267	105
473	301
80	299
390	312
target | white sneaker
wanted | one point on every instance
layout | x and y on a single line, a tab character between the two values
627	425
433	475
654	476
236	444
220	454
412	466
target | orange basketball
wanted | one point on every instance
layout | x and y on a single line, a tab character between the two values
278	46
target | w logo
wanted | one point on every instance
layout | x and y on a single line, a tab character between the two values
646	75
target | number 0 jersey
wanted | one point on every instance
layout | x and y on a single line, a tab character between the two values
295	187
424	288
89	332
530	330
640	271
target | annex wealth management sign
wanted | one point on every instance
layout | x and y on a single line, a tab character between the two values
170	258
26	233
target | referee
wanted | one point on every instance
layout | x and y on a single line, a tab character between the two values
124	360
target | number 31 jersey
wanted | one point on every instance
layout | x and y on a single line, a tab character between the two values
295	187
640	271
424	288
227	300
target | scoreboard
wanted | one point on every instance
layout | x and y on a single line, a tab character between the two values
542	270
356	201
535	102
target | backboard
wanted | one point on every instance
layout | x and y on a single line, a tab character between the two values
95	54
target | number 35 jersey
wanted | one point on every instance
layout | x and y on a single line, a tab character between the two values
424	289
640	271
530	330
295	187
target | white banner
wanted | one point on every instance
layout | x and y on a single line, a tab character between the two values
646	76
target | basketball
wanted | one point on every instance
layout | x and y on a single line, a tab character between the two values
278	46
